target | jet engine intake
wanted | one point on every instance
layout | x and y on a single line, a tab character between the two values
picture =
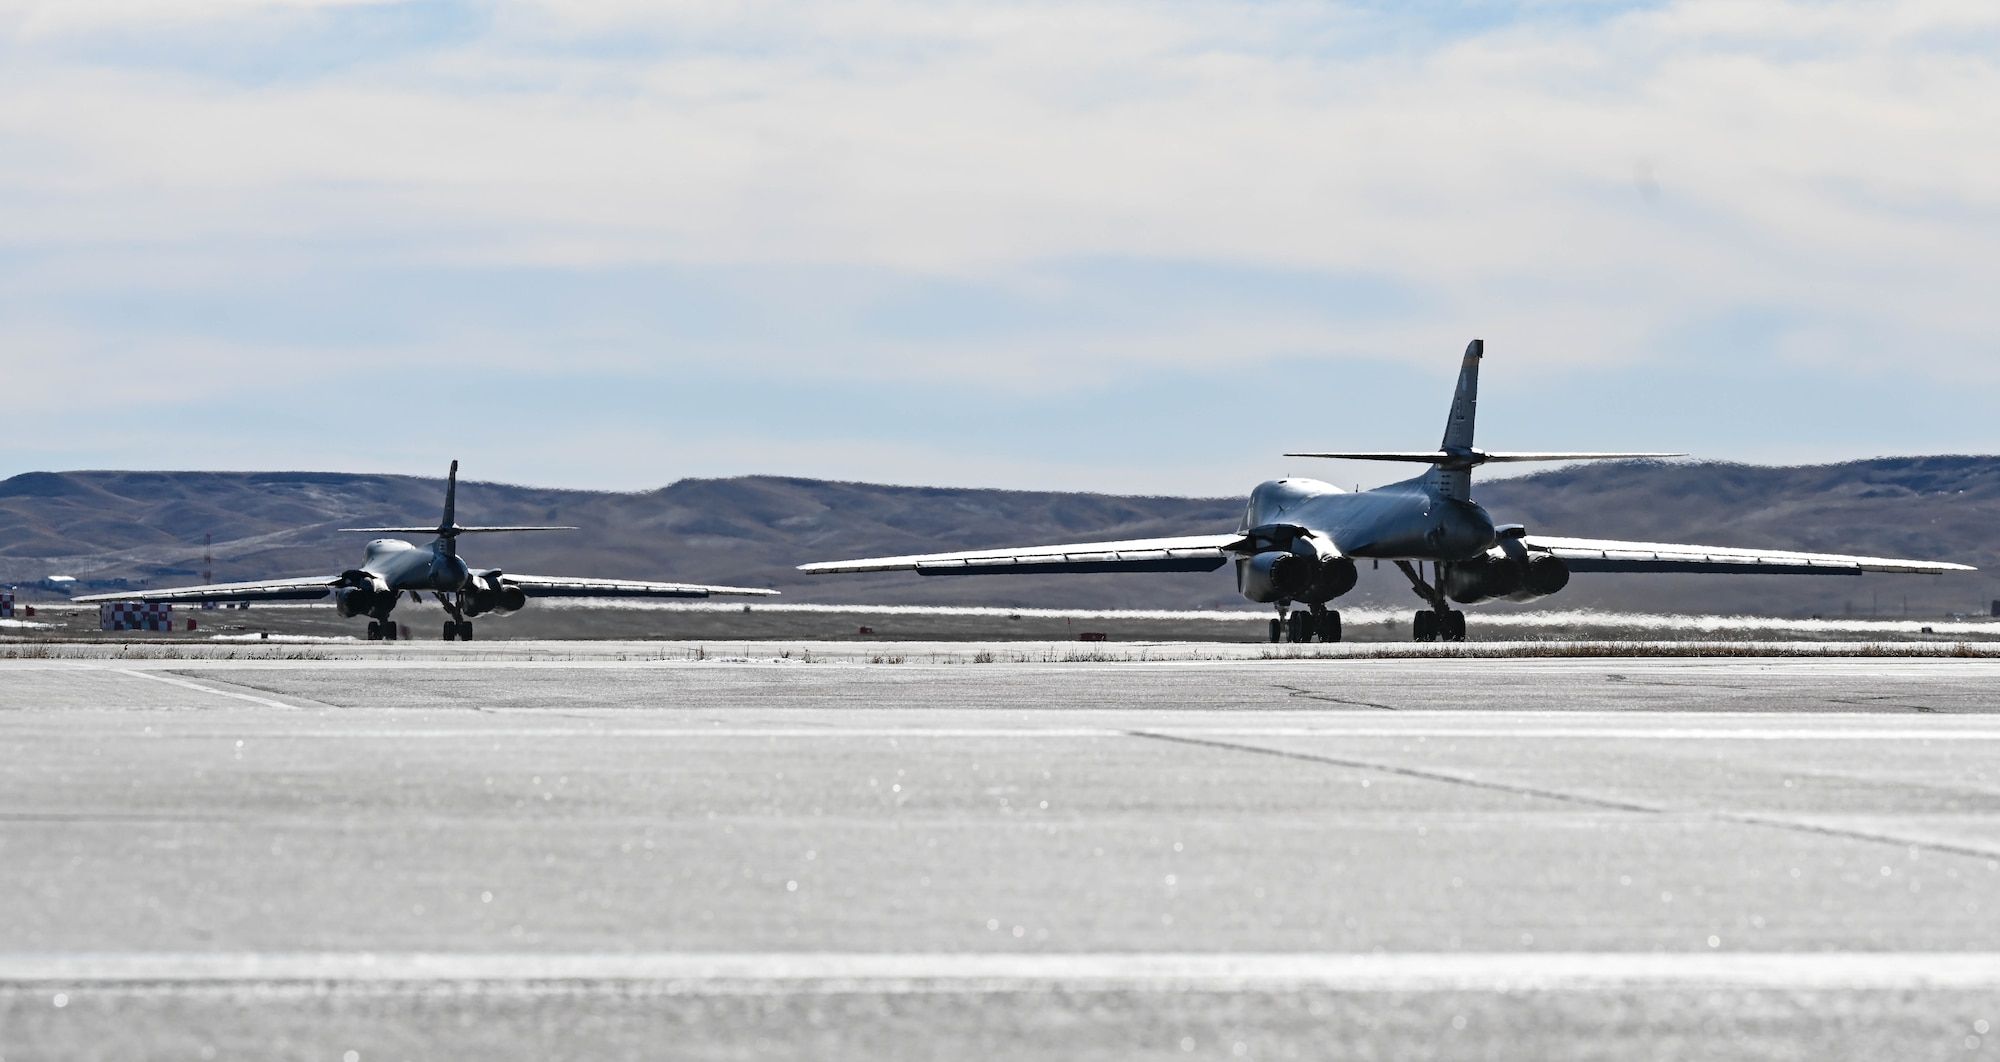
1279	576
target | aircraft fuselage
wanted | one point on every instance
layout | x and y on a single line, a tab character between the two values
1411	520
403	566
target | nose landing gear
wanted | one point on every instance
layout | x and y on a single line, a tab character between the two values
1440	622
457	627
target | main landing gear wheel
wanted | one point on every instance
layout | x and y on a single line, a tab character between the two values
1434	626
388	630
459	629
374	631
1302	627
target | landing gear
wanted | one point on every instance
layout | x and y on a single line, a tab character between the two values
1319	622
374	631
457	627
388	630
1440	622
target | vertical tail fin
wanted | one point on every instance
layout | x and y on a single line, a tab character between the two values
450	520
1465	401
1458	428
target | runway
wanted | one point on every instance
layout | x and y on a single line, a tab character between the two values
421	858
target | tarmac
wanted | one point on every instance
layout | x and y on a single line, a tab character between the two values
476	851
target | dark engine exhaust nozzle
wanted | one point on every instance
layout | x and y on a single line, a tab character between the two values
352	601
1279	576
1490	578
513	599
1481	579
481	600
1329	579
1272	576
1544	576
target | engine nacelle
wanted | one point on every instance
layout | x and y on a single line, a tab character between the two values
352	601
479	600
1281	576
1545	576
1331	577
1272	576
1481	579
488	592
1490	578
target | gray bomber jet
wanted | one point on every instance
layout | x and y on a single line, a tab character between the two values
391	567
1300	539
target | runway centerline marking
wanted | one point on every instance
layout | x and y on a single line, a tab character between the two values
890	972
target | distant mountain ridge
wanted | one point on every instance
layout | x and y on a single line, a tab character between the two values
148	526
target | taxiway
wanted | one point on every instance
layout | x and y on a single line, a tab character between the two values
409	856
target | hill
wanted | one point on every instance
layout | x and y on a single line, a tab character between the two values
148	527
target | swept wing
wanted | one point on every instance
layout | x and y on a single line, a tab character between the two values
310	588
1191	553
1604	555
546	586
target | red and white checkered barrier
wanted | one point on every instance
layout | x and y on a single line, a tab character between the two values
6	606
135	616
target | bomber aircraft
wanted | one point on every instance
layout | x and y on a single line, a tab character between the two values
391	567
1300	538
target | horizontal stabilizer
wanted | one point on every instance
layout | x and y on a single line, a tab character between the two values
1472	458
1533	456
445	530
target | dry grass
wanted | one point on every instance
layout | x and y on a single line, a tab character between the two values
1626	650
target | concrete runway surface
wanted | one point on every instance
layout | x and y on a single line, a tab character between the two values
388	857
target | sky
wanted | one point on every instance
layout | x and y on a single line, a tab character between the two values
1087	244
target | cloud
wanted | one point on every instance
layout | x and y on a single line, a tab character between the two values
1033	198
